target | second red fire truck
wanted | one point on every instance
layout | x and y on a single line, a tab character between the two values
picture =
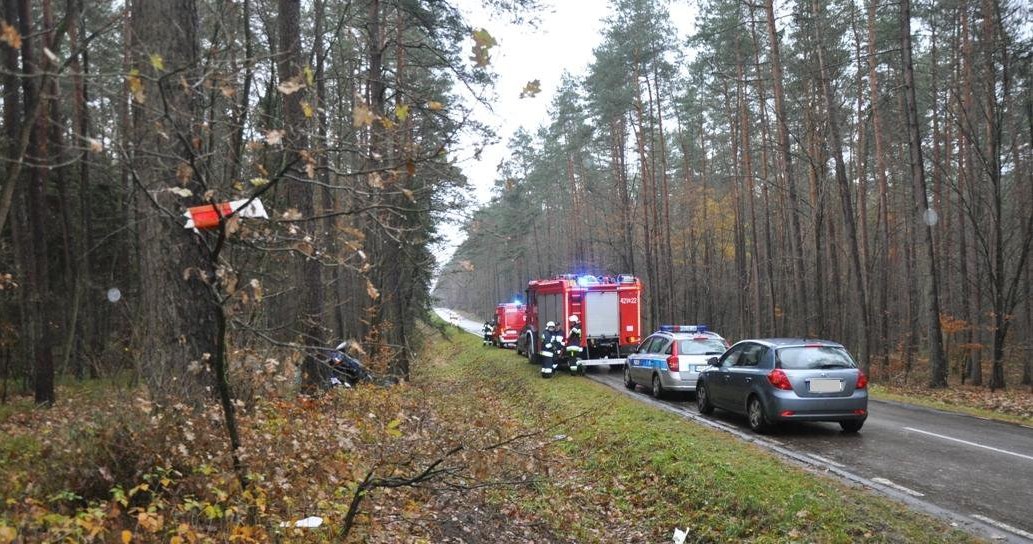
510	319
607	306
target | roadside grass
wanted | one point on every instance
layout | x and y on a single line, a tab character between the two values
1017	402
625	468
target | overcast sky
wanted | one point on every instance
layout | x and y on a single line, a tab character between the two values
564	39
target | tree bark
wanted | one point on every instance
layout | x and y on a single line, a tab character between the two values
300	191
835	143
802	307
883	182
178	329
937	363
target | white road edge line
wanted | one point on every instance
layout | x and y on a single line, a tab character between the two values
1004	526
966	442
825	460
898	487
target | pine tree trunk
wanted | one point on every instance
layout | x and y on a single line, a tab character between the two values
860	294
883	182
770	320
178	328
801	310
937	364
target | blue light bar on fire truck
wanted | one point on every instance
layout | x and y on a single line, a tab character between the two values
587	280
683	328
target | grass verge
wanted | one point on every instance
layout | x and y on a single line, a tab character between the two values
625	471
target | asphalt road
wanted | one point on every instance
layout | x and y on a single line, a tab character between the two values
971	471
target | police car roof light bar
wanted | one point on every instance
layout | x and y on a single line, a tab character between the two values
683	328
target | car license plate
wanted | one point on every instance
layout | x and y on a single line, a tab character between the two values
821	385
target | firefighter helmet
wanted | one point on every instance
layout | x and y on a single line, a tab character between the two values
550	325
573	319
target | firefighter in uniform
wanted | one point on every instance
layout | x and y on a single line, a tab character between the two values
487	329
573	350
552	346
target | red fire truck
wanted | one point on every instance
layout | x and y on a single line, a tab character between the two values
510	318
608	307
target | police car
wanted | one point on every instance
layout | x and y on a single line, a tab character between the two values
671	358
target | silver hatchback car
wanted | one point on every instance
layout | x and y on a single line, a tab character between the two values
672	358
786	379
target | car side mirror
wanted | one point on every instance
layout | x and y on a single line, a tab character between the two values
714	361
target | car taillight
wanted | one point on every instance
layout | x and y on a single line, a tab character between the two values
632	339
672	363
862	380
779	380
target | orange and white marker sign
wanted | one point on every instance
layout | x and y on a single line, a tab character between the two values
207	216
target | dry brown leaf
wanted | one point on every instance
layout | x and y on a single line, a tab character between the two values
290	86
372	291
10	35
274	137
233	226
136	86
362	116
376	180
184	172
150	522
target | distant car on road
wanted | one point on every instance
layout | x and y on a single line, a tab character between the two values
786	379
671	358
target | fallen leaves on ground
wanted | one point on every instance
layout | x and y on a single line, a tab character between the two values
1016	401
100	466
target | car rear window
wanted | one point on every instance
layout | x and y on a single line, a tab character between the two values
814	357
702	346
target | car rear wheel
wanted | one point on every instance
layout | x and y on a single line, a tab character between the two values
755	415
628	382
658	388
703	400
851	426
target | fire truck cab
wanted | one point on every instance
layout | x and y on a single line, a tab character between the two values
607	306
510	318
